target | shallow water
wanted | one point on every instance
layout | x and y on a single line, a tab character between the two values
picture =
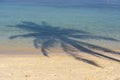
96	20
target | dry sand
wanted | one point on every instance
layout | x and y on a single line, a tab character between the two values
57	67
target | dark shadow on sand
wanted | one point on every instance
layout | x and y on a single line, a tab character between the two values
46	36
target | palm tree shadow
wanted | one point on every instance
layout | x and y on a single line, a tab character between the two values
46	36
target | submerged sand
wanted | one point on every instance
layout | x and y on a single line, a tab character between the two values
57	67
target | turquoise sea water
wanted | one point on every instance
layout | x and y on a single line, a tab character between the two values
99	21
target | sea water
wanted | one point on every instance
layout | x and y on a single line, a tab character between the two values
96	20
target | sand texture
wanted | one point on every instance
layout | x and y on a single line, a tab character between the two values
57	67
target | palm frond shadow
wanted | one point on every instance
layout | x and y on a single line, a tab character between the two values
46	36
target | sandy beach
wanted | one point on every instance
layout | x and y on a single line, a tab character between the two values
57	67
59	39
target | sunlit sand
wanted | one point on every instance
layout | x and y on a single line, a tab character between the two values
57	67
